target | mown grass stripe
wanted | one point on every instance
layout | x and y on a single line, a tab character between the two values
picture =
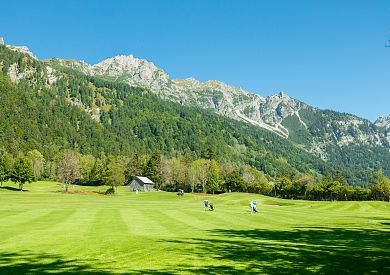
41	222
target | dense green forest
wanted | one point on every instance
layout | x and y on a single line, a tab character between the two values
97	117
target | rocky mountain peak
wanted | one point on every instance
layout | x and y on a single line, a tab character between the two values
123	64
22	49
383	122
187	82
281	96
133	71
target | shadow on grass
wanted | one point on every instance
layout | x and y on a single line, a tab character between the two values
257	251
29	263
12	188
309	250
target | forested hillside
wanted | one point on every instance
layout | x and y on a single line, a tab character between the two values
54	109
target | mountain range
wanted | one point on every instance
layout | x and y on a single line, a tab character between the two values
328	135
279	113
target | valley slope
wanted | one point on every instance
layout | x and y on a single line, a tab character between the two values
117	97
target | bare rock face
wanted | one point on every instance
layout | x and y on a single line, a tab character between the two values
22	49
133	71
383	122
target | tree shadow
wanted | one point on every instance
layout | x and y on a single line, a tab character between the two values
13	188
226	251
309	250
27	262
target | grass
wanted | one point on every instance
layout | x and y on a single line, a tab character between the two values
43	231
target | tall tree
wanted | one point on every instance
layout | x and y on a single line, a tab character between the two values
192	177
68	169
22	172
153	169
381	186
98	171
3	171
235	183
209	154
202	171
115	175
213	180
7	164
339	177
87	163
37	162
135	167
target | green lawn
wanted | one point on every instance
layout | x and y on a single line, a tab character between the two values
44	231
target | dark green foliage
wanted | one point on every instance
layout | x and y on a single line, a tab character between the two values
22	172
98	172
3	171
115	175
153	169
355	161
213	181
381	186
297	132
235	183
130	120
209	154
134	168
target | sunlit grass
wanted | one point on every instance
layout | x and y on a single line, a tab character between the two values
43	231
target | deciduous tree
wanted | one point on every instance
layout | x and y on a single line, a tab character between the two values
37	162
22	172
68	169
115	175
213	180
381	186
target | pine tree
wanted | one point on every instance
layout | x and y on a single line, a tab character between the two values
339	177
213	181
153	169
209	154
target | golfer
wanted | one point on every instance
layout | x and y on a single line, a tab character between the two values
206	204
251	206
254	206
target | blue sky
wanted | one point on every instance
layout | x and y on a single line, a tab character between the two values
329	54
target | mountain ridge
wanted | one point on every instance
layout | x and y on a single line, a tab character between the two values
104	114
275	113
313	129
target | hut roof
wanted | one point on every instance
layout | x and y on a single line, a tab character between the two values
144	180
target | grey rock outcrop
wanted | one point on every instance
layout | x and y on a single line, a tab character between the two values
383	122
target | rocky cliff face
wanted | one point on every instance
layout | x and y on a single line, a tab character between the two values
383	122
22	49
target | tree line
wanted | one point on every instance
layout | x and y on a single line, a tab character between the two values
205	174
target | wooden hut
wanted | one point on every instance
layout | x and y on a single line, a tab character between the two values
142	184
